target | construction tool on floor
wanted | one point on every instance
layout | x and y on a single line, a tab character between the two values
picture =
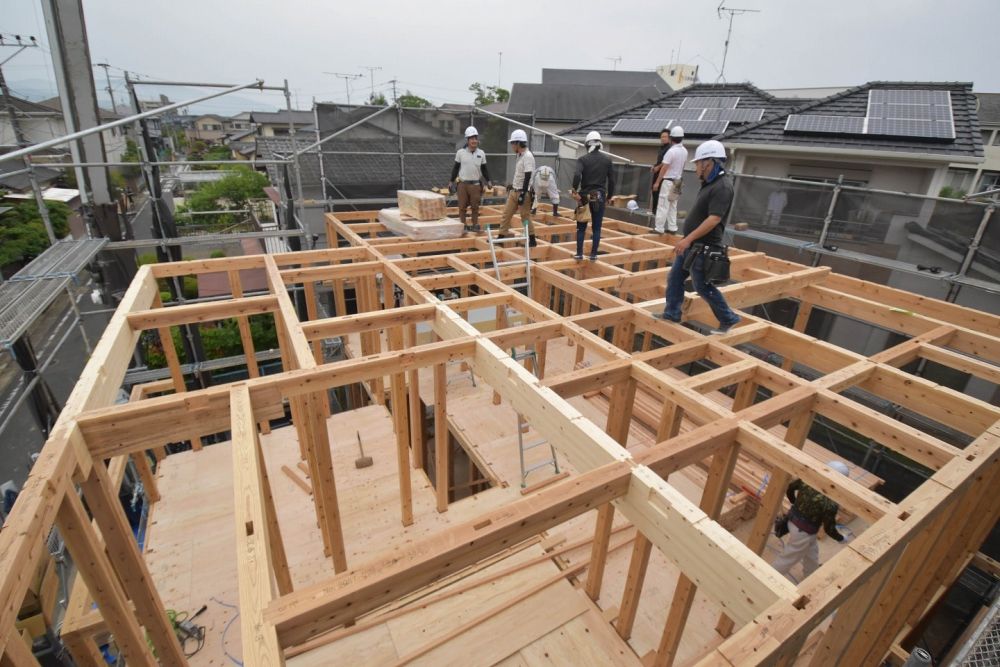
362	461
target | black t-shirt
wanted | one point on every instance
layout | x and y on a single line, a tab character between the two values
714	198
659	156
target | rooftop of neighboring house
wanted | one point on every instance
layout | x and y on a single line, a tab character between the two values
55	104
27	106
210	116
988	111
21	182
566	102
750	97
602	77
276	117
863	129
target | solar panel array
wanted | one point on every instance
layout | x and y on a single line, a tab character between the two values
710	102
660	113
732	115
638	126
655	126
920	114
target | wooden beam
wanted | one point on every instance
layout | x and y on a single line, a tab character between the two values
442	444
401	428
201	312
367	322
253	546
314	609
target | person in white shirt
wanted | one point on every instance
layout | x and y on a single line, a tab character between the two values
544	183
669	182
467	176
520	195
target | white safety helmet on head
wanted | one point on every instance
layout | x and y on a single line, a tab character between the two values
839	466
592	136
710	149
677	132
518	135
471	131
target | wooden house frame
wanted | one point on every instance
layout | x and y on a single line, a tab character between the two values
882	584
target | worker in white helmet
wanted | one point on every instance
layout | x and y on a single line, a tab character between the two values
519	195
468	175
593	185
668	182
543	183
702	240
811	510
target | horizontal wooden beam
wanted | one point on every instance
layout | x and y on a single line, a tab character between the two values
960	362
196	267
349	324
201	312
314	609
331	272
593	378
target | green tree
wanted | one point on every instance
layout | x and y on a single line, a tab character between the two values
131	174
378	100
488	94
22	232
408	99
230	193
212	153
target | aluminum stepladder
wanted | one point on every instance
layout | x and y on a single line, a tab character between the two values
527	353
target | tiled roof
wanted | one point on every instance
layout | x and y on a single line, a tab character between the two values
604	77
989	108
854	102
574	102
274	117
750	96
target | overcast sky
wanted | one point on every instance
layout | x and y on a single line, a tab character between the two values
436	49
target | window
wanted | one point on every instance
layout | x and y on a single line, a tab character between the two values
959	179
990	180
987	135
996	139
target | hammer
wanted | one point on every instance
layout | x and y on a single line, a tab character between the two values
362	461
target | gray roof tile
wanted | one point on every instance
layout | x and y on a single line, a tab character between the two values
574	102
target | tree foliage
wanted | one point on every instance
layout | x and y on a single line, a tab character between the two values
489	94
230	193
22	232
408	99
378	100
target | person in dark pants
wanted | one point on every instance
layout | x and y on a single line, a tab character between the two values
704	225
593	185
657	166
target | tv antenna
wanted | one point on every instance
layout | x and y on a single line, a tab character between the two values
347	82
371	72
732	11
614	62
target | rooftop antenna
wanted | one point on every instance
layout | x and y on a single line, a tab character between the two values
732	11
614	62
347	82
371	73
499	65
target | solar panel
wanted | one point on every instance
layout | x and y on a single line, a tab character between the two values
703	127
734	115
638	126
661	113
933	97
710	102
825	124
910	127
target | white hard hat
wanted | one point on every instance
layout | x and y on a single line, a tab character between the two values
677	131
518	135
710	149
631	205
839	466
471	131
593	135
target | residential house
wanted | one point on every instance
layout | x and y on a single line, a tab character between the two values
985	176
276	123
208	128
40	121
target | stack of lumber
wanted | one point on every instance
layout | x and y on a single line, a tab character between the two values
421	204
420	230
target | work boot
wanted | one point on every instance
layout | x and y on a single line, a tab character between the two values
555	210
532	241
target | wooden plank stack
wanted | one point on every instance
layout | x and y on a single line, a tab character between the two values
420	230
421	204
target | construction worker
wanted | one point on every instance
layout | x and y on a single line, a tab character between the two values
668	182
657	166
703	229
593	185
468	175
811	510
519	194
543	182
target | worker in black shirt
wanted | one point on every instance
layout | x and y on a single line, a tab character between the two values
657	166
703	226
593	185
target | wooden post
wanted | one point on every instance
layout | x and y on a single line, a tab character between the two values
94	566
416	406
442	446
324	483
129	564
599	550
401	427
282	575
174	364
246	337
641	550
801	319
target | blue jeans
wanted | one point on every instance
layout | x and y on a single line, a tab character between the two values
675	291
596	217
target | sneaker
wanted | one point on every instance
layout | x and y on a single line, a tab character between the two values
578	258
476	229
665	318
593	258
723	328
671	231
532	241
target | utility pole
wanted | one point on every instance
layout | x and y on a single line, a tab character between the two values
499	66
371	73
614	62
347	82
732	11
111	94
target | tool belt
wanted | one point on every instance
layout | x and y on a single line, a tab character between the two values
582	212
716	262
802	523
